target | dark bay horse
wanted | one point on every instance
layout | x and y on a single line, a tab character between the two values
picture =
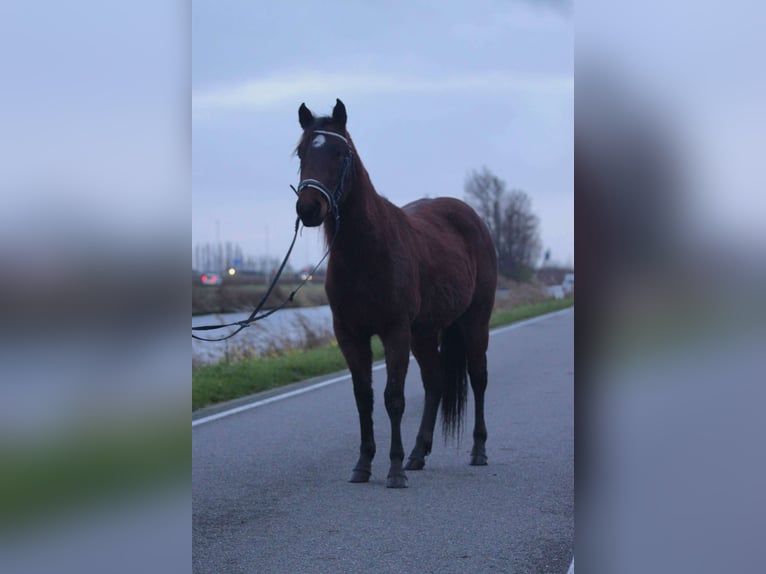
422	277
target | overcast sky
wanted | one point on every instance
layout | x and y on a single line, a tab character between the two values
430	94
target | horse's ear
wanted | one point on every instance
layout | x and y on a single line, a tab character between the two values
305	117
339	114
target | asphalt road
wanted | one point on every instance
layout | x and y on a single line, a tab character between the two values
270	492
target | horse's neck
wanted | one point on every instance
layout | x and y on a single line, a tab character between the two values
364	217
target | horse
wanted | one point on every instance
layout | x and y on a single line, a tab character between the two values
422	277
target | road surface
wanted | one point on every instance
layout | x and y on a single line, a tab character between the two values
270	492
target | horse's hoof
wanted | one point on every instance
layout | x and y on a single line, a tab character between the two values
397	481
358	475
478	460
414	463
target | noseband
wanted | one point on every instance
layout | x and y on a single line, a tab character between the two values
333	197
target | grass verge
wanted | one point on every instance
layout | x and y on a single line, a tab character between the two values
213	384
502	317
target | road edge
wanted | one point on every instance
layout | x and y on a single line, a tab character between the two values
242	404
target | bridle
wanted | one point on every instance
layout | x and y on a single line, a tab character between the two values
333	197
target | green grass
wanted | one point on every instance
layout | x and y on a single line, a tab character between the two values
502	317
213	384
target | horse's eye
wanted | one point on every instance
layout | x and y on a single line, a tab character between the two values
318	141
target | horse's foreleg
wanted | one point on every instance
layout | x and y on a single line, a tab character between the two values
397	347
426	351
358	356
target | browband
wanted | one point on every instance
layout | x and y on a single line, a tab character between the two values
331	134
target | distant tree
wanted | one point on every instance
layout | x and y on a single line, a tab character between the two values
485	192
513	226
220	256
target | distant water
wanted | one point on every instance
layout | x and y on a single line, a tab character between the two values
288	326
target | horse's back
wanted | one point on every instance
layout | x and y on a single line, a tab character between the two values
450	209
440	215
456	251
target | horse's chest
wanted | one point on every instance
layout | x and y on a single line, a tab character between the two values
369	302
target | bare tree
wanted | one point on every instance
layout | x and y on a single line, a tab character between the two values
513	226
219	257
485	191
521	237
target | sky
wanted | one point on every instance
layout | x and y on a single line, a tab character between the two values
430	96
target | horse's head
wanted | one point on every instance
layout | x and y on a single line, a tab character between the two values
326	155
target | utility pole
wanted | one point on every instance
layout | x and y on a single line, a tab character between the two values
219	254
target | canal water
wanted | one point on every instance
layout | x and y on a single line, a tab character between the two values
285	328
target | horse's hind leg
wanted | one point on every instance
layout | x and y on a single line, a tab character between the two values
476	335
426	351
477	369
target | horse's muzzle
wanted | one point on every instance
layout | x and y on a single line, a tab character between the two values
311	210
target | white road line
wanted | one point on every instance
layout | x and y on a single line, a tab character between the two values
571	567
296	392
275	398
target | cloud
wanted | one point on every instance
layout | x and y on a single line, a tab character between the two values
265	93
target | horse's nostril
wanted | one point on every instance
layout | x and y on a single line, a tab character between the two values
310	211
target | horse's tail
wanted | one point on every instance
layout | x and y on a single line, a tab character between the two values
455	389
